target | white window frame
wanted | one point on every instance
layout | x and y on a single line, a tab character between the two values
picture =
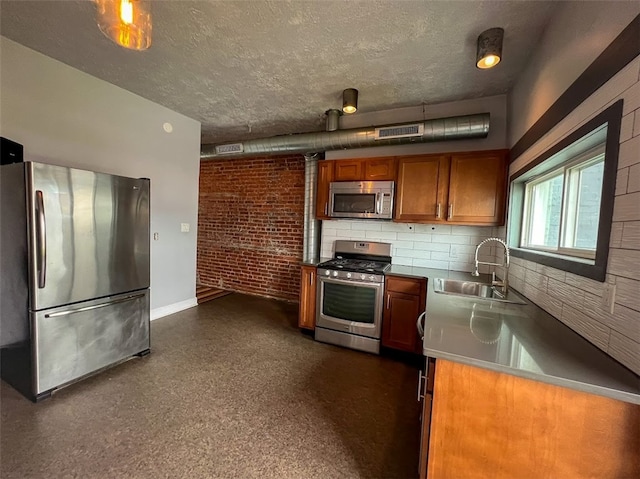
568	214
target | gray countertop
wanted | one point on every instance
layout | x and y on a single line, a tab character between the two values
522	340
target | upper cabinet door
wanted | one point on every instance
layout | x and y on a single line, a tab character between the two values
478	188
380	169
348	170
325	177
422	188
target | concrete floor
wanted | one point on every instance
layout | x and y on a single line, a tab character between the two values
231	389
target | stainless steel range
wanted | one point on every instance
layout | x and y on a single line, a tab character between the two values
350	295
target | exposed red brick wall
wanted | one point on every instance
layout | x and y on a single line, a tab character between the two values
250	218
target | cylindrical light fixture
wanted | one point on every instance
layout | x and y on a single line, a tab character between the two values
126	22
350	100
489	51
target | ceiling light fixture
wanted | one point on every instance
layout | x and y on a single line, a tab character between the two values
489	51
126	22
349	100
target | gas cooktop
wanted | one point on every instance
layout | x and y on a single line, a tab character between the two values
356	265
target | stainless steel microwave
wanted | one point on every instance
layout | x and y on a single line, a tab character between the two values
361	199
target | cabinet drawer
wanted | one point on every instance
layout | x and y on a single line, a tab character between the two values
406	285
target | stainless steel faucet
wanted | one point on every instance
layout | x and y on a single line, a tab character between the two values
504	284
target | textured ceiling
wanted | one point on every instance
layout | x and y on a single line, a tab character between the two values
253	69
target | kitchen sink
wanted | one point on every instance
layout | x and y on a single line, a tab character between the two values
471	289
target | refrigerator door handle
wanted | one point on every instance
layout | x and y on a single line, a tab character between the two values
95	306
41	239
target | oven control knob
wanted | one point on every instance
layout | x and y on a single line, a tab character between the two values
363	276
372	278
327	272
348	275
335	273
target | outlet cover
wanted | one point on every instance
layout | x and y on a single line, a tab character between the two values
608	297
156	236
184	227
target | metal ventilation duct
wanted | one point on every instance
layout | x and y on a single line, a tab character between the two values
311	226
440	129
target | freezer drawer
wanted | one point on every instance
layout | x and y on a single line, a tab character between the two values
73	341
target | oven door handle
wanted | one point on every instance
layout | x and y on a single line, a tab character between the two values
378	197
348	281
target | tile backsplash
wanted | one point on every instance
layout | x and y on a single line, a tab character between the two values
430	246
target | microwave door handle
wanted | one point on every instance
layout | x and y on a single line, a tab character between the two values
378	196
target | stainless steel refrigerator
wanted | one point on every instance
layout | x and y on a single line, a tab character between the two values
74	277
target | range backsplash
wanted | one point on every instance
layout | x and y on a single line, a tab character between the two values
430	246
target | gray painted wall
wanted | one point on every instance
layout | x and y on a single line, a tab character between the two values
66	117
577	34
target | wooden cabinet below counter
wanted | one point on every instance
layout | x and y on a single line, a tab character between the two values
481	423
404	301
307	308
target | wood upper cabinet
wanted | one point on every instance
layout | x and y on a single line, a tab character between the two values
460	188
404	302
422	188
307	308
379	169
325	177
365	169
348	170
478	188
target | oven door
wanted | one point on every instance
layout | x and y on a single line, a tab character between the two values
350	306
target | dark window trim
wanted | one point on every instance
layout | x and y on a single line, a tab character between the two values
613	117
614	58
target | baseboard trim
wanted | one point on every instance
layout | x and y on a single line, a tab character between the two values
173	308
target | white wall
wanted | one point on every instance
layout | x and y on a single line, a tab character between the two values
496	106
66	117
578	33
575	300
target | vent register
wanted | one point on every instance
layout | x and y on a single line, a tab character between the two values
405	131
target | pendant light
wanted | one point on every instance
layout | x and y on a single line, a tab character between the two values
349	100
126	22
489	51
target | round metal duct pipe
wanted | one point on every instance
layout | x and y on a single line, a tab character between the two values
311	226
440	129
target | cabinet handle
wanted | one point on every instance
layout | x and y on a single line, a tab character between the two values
310	280
388	299
438	211
419	324
450	211
420	378
326	208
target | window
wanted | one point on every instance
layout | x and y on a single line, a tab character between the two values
561	208
561	203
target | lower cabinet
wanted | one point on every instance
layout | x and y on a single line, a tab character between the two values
307	308
404	301
480	423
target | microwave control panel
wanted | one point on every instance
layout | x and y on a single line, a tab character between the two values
386	204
